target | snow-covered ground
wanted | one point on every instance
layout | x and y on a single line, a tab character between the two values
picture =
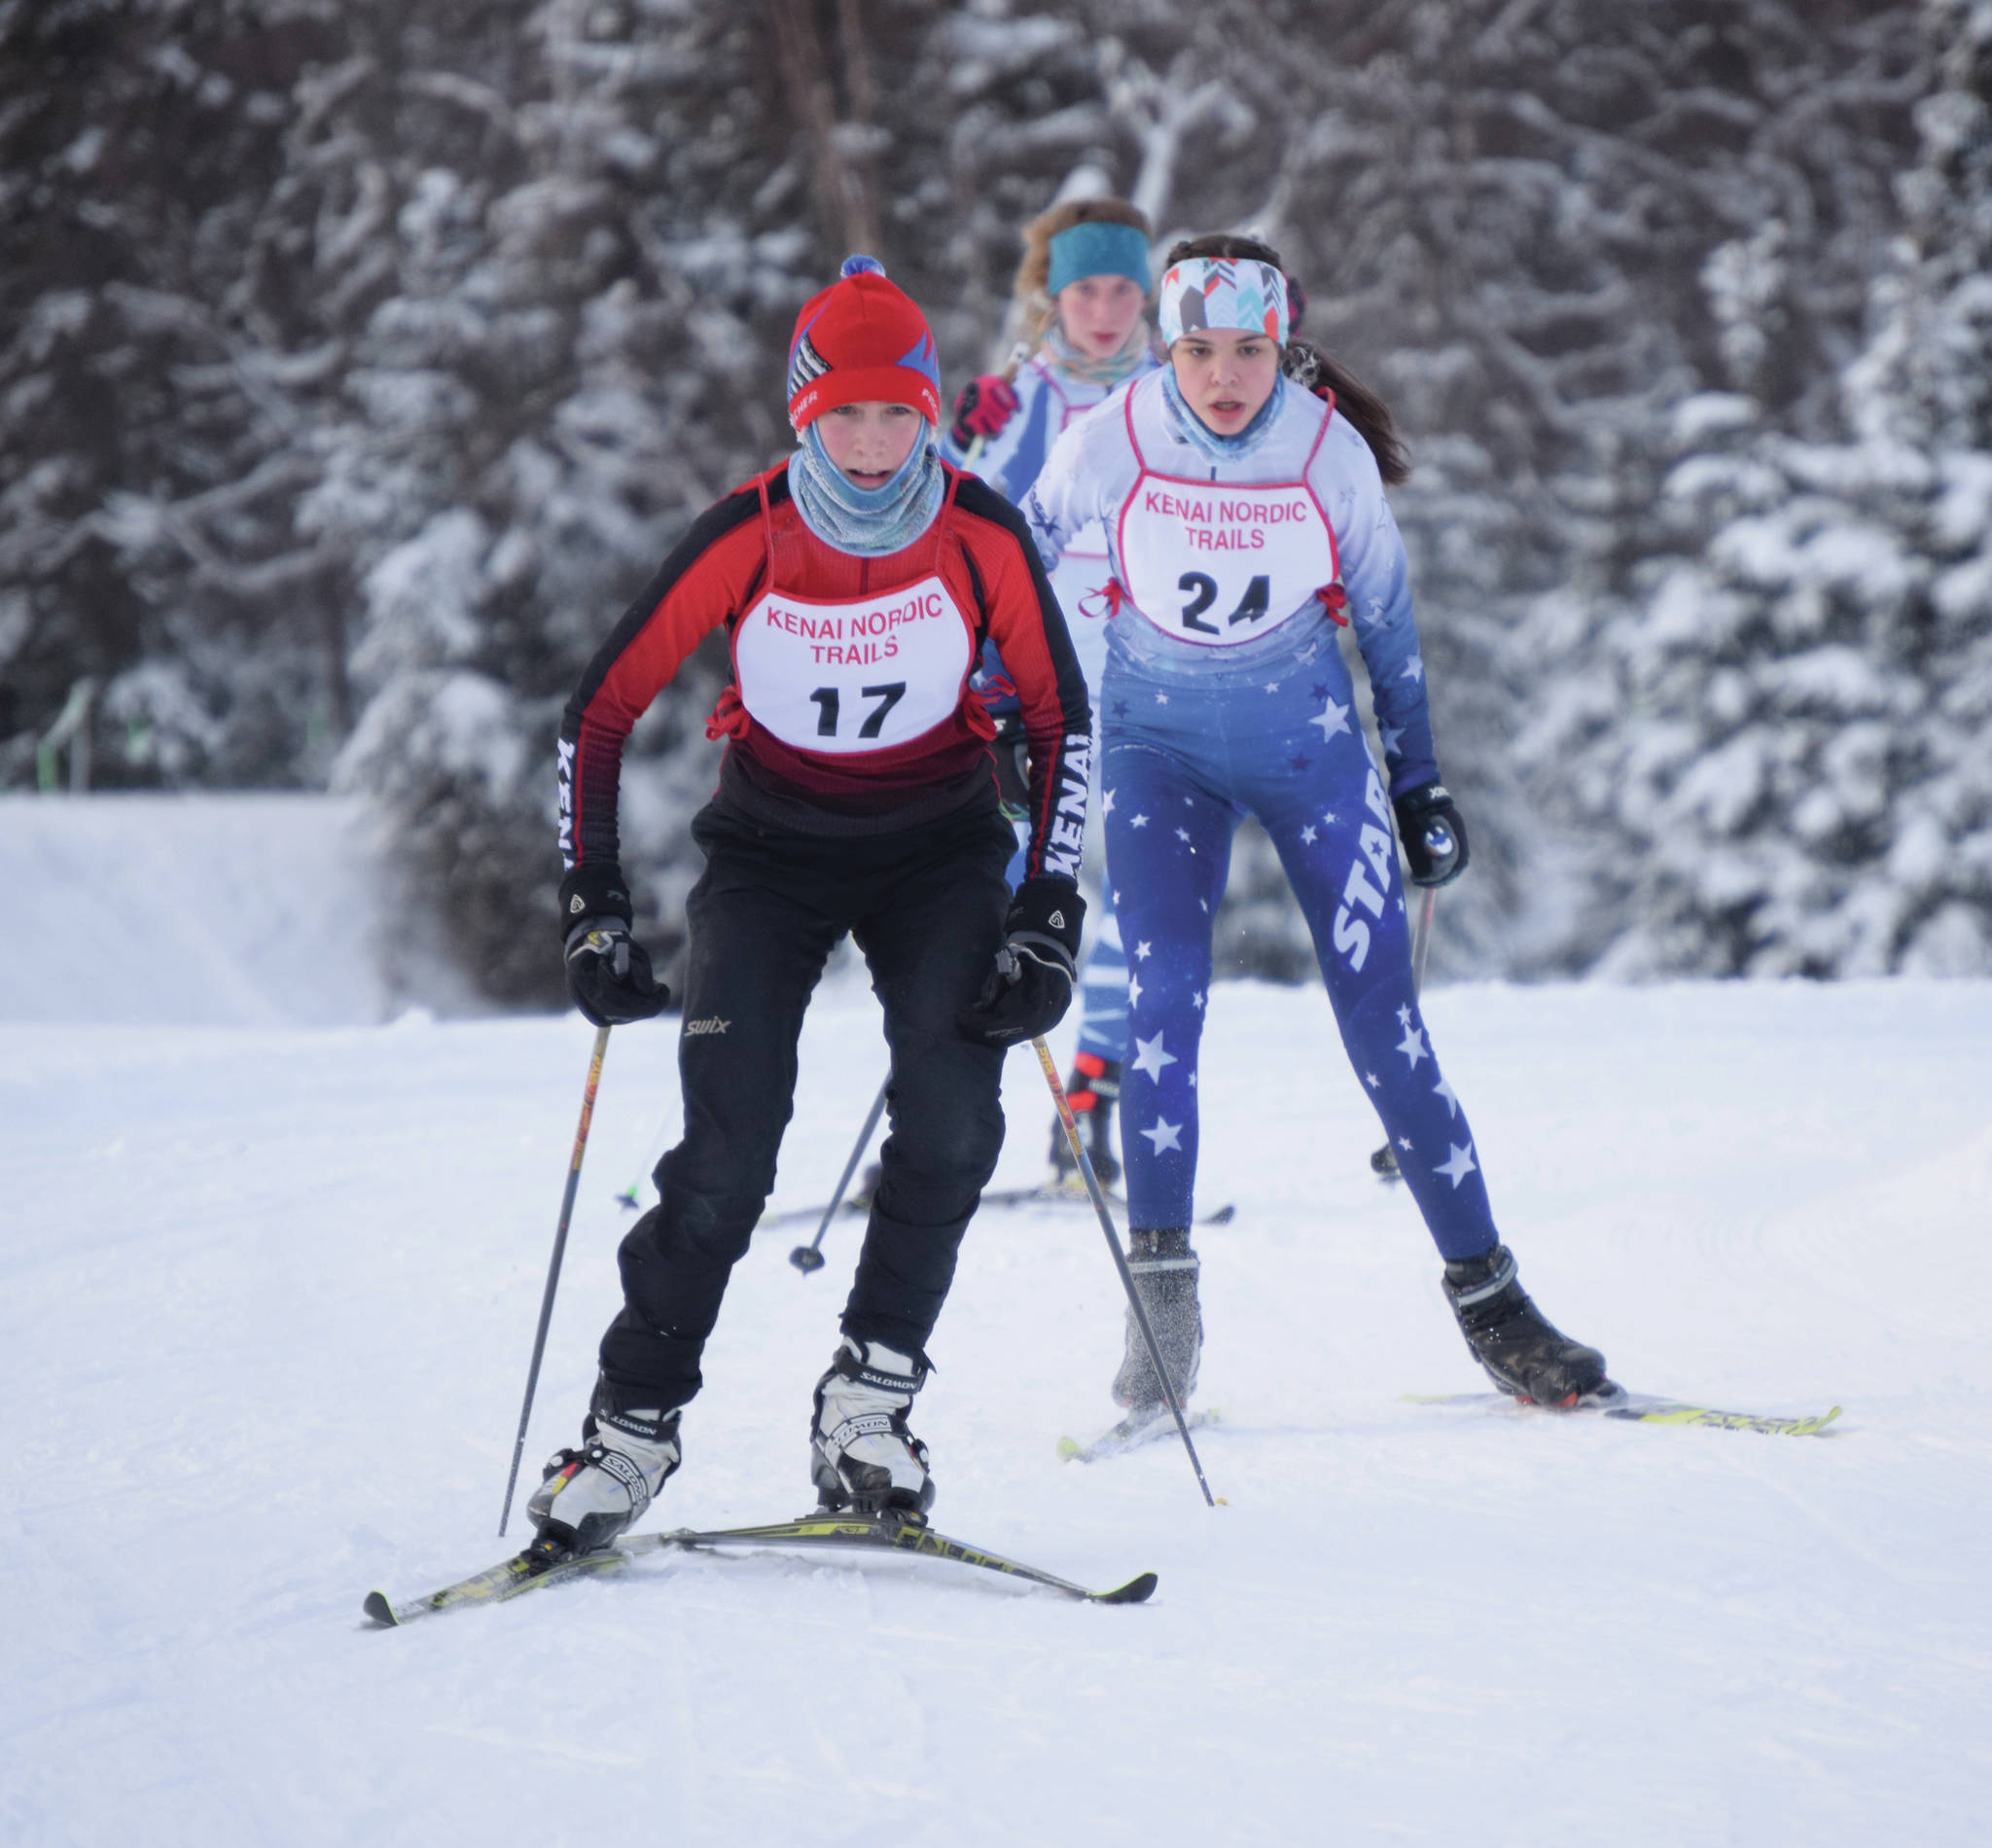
267	1300
204	910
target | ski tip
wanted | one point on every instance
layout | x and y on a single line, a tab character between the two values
1134	1591
1224	1216
1069	1449
379	1609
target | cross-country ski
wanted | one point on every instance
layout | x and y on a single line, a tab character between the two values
1151	1425
1639	1408
533	1570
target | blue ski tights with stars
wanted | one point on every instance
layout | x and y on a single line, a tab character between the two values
1187	754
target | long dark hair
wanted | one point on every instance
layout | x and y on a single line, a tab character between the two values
1306	365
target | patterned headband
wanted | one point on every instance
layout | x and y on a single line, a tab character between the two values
1223	292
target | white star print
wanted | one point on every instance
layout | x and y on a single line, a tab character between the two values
1390	735
1272	685
1141	952
1150	1058
1414	668
1444	1089
1106	801
1403	1016
1375	1082
1161	699
1461	1165
1181	834
1190	802
1192	1081
1404	1143
1204	905
1412	1046
1328	815
1133	988
1308	836
1196	1002
1331	719
1140	821
1169	1135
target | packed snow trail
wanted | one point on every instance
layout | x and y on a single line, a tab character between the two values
267	1299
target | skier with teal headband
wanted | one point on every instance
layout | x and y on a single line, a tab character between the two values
1080	296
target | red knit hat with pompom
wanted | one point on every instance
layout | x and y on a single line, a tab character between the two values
862	338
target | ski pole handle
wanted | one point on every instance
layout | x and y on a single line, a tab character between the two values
1099	1199
532	1378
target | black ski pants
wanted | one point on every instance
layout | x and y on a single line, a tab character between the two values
926	907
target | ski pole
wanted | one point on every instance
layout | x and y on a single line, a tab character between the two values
808	1258
532	1376
1092	1186
1383	1160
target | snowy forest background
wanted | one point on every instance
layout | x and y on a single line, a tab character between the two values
358	361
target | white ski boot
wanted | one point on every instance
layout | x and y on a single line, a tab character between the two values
588	1497
861	1453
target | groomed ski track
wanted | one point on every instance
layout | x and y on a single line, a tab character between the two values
266	1305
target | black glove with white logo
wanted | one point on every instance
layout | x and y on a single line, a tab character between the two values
1029	989
608	971
1434	833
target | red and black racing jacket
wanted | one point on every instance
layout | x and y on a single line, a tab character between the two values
738	562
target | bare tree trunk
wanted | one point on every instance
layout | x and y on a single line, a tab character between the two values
863	138
846	189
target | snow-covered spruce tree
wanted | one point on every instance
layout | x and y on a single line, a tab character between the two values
149	448
1783	744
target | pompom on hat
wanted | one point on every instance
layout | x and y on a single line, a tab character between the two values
862	338
1226	292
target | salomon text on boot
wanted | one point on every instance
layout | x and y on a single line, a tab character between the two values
861	1453
1523	1353
588	1497
1166	1271
1092	1090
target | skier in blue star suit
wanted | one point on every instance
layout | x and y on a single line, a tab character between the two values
1245	518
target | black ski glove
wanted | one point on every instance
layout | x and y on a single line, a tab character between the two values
1030	987
608	971
1434	833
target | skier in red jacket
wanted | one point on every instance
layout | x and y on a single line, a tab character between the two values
856	582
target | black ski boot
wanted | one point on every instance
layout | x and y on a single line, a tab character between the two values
1166	1271
588	1497
1522	1352
1092	1090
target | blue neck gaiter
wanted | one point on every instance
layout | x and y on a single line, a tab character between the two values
1199	434
868	522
